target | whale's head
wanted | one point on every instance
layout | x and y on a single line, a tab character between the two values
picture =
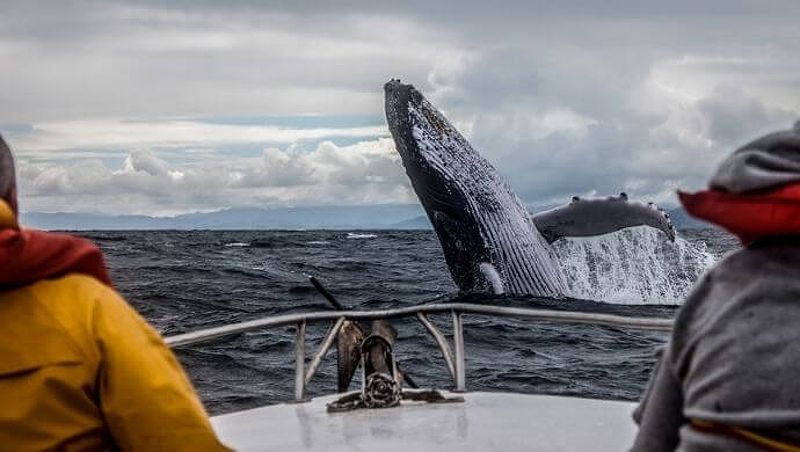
424	137
437	178
484	229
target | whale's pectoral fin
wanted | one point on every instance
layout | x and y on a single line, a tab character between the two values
596	216
491	278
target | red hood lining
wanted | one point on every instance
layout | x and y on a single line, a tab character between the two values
749	216
28	256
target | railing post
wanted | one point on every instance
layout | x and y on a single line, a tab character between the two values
323	349
447	353
300	362
458	344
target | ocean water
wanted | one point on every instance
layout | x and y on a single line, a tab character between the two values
187	280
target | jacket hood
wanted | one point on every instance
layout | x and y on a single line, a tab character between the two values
28	256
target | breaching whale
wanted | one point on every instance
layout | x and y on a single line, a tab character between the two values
490	241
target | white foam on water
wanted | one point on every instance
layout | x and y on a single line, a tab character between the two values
237	245
633	266
318	242
354	235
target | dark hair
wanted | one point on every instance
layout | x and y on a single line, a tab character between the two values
7	177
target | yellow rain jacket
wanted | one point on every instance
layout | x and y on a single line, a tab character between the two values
80	370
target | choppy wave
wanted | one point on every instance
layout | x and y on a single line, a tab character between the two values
110	238
237	245
263	244
186	280
633	266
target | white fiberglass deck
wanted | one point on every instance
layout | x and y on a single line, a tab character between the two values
484	422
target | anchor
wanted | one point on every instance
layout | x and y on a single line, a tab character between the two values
382	380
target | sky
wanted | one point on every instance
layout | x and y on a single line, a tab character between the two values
169	107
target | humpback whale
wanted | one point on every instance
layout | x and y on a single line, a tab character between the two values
490	241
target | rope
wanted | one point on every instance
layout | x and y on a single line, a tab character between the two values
764	442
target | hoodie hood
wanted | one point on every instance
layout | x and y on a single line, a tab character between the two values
755	192
768	162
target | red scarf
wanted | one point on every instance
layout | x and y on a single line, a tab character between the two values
28	256
751	216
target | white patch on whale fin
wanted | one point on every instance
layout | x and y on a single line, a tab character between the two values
490	274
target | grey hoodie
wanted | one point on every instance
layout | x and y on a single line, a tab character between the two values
734	354
733	358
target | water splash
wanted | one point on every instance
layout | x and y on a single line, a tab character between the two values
633	266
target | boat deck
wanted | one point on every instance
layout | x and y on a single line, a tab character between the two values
484	422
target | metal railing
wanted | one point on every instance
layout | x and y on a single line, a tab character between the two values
455	361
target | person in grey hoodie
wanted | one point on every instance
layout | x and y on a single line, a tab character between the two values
729	377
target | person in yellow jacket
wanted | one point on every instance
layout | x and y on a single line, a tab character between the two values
80	370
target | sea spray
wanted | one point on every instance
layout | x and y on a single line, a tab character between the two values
633	266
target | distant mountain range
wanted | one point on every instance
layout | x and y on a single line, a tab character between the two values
386	216
389	216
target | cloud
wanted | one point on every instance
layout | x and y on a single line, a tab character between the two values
559	122
571	97
363	173
123	59
733	117
121	134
